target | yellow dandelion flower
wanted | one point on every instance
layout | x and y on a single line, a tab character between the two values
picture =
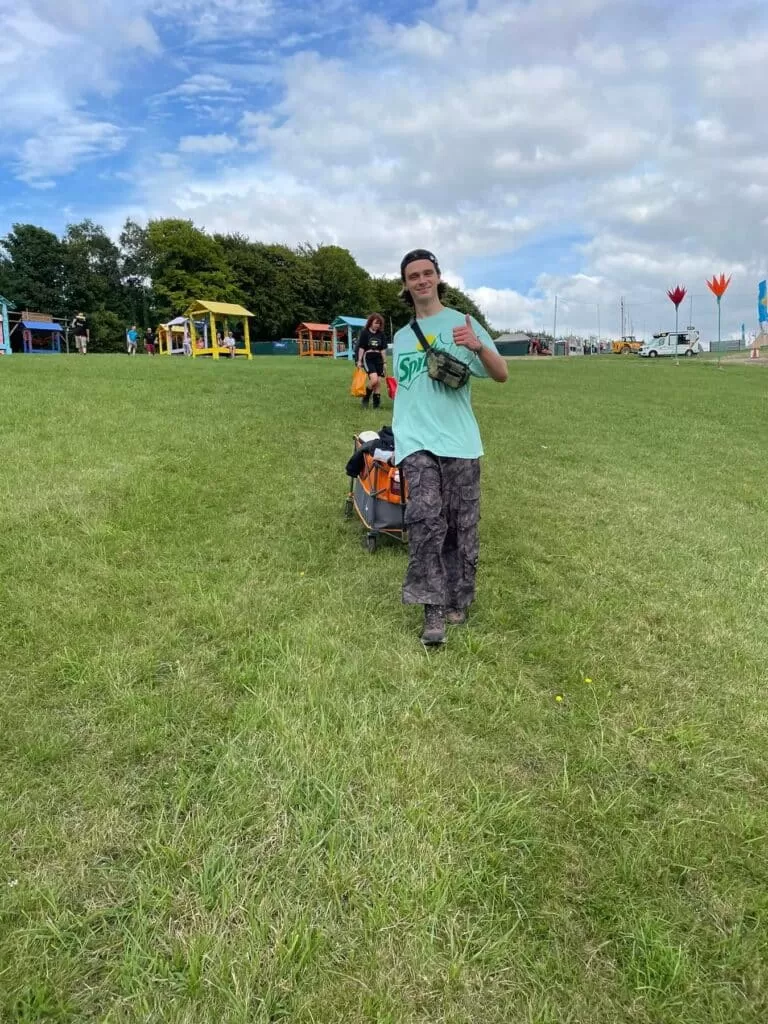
559	698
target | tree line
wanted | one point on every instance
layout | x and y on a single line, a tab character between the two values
153	272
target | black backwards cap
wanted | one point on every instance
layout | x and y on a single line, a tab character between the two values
418	254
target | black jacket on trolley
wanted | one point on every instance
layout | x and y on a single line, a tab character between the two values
385	441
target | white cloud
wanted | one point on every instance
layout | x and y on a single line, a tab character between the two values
202	85
214	19
509	309
205	98
65	145
484	126
55	57
137	32
608	60
421	41
207	144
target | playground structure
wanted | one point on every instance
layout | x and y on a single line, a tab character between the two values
174	338
314	340
345	331
207	343
40	334
5	327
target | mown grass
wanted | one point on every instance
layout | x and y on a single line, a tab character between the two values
234	789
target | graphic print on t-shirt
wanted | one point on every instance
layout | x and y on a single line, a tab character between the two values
411	364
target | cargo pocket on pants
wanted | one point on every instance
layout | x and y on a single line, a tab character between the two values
413	510
469	511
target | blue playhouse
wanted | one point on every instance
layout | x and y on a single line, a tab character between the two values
346	330
5	327
40	336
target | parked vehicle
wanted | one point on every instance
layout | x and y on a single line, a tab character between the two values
626	345
669	343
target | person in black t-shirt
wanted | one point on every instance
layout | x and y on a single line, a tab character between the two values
371	346
82	334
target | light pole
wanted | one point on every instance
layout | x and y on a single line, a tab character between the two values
554	330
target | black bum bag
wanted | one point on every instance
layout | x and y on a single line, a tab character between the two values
442	366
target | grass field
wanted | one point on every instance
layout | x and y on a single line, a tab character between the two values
234	789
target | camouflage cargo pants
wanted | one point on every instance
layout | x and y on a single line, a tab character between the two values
442	517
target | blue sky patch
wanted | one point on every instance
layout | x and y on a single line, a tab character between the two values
520	268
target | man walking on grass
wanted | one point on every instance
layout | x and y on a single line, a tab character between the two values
82	334
437	445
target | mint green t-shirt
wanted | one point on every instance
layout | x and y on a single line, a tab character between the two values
428	416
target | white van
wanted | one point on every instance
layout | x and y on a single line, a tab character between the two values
670	344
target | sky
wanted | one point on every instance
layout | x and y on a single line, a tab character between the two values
579	149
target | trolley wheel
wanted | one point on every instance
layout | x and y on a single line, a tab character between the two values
371	542
348	508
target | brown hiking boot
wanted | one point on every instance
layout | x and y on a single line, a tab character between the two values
433	633
456	616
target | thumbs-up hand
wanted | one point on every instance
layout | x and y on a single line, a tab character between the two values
466	337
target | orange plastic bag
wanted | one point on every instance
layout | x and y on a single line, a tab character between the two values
359	383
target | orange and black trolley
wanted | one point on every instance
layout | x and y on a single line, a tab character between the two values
378	496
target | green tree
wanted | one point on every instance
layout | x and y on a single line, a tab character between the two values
186	264
137	272
159	269
6	274
107	331
92	273
387	301
136	253
34	269
276	284
457	299
340	286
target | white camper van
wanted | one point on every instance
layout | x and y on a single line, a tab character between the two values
670	344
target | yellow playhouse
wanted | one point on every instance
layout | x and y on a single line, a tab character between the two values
223	312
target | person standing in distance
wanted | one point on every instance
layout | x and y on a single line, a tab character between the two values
438	447
82	334
132	339
371	347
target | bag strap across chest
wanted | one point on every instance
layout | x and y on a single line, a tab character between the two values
420	334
